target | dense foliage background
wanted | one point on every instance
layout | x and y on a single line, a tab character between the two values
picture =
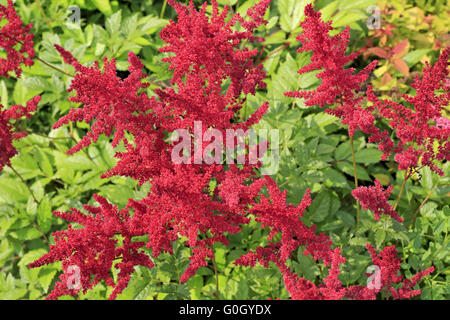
314	148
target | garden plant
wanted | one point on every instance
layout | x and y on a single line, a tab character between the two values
259	149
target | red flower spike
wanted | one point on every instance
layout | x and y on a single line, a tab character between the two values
7	135
16	40
375	198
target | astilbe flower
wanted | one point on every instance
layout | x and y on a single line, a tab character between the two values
338	83
179	202
303	289
207	56
376	198
387	278
209	49
423	140
416	136
16	40
339	86
105	237
284	219
7	135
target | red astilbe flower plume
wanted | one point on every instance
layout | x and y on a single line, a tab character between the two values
376	198
14	34
339	86
6	130
180	202
108	101
105	236
274	213
284	219
387	278
338	83
423	141
209	50
303	289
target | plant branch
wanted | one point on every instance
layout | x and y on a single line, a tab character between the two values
407	175
217	276
54	67
414	217
25	183
356	179
163	9
39	59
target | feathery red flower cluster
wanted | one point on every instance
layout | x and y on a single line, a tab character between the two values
339	86
387	279
417	137
14	34
94	248
208	55
7	135
376	198
422	137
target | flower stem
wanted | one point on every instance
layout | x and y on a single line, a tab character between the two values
356	180
53	67
217	276
414	217
163	9
407	174
25	183
39	59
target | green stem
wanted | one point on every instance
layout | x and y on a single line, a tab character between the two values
356	180
217	276
407	174
25	183
47	20
414	217
163	9
53	67
42	232
39	59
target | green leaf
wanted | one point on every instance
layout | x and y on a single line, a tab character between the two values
347	17
3	94
414	56
13	190
380	236
358	241
347	168
320	206
291	13
343	151
46	276
103	5
44	217
427	179
26	234
113	23
44	163
368	156
347	218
